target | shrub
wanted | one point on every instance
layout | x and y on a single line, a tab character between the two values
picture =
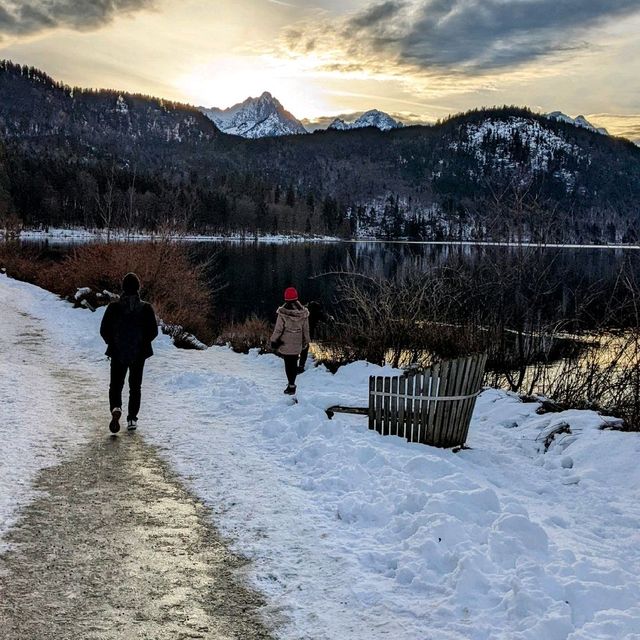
176	288
253	333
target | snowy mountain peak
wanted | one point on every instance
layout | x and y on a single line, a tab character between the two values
339	125
255	118
579	121
372	118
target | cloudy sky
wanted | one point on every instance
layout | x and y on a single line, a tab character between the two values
419	59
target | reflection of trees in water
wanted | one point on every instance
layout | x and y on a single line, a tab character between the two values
258	273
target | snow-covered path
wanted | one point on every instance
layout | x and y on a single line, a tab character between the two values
357	536
111	545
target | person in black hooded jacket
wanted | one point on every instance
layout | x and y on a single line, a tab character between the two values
129	326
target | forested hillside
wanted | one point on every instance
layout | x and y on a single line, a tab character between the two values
105	158
4	188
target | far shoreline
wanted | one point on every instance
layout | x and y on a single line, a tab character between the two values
72	235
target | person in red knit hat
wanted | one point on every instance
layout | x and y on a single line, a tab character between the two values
291	335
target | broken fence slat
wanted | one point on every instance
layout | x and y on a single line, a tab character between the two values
360	411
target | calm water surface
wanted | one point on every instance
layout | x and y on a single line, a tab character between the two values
253	275
256	274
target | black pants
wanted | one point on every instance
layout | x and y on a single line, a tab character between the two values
291	368
118	374
304	354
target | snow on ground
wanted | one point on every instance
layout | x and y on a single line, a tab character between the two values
32	434
353	535
78	234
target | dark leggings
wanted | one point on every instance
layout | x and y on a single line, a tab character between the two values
118	374
304	354
291	368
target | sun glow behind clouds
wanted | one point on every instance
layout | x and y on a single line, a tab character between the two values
230	80
330	57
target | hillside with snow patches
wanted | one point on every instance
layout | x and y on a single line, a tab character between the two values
505	145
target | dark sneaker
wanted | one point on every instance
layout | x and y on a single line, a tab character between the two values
132	424
114	425
290	390
300	370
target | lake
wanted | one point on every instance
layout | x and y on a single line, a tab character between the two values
249	278
256	274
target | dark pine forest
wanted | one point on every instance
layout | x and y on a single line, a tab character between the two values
107	159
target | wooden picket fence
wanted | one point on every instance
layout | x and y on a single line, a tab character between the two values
432	407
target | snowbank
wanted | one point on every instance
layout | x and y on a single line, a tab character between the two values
353	535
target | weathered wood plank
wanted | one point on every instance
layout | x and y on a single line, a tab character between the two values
449	404
386	407
393	417
479	375
427	382
417	408
360	411
379	383
372	402
458	438
434	390
434	436
452	418
402	404
475	385
410	408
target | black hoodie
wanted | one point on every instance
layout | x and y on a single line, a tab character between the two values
129	327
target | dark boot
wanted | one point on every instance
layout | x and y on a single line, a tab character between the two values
114	425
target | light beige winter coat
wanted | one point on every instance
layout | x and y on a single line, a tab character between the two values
292	330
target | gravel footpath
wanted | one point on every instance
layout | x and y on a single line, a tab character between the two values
114	546
117	548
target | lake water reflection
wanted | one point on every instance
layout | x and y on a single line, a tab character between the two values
256	274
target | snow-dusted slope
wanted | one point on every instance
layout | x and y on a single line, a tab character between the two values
372	118
517	143
579	121
256	118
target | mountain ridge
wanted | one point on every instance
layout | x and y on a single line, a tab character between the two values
485	174
264	116
255	118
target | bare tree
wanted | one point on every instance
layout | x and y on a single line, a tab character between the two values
105	203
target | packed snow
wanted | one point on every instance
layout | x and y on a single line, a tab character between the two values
351	534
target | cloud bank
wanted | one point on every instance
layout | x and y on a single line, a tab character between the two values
464	36
18	18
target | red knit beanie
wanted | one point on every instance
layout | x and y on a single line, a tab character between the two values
290	294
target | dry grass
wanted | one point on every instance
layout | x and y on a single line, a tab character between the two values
250	334
176	288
